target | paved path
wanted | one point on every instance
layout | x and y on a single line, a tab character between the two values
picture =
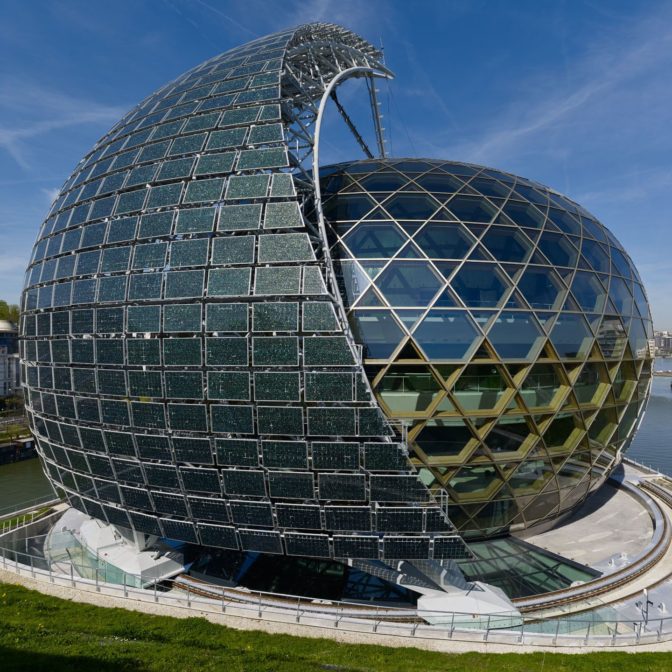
610	523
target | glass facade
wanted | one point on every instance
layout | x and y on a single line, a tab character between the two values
186	365
501	324
196	367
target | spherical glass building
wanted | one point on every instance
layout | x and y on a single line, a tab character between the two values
206	358
502	325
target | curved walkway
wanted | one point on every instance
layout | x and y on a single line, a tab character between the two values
652	565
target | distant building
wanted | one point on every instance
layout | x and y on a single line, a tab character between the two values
10	379
662	341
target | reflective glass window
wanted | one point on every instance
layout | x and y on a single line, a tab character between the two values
431	334
377	331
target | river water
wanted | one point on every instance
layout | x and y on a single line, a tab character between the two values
24	481
21	482
652	444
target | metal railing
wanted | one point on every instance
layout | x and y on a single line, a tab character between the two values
504	628
26	508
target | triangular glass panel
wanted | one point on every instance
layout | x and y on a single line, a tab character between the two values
483	352
409	252
530	477
543	387
490	188
620	296
469	209
410	227
445	300
512	270
370	300
341	228
539	259
610	309
570	305
446	371
583	264
503	219
549	226
566	275
592	383
638	339
515	300
444	406
570	403
461	169
349	207
408	317
564	221
475	482
479	254
372	268
446	267
594	320
546	320
476	229
564	433
412	166
483	318
530	194
409	352
596	255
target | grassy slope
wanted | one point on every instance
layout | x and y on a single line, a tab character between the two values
38	632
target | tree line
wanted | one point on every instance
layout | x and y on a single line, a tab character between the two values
9	311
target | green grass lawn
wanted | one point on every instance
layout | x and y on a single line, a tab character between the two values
38	632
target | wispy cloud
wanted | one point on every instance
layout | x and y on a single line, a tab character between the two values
31	110
51	194
614	75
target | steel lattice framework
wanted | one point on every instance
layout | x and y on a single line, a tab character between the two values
188	368
502	324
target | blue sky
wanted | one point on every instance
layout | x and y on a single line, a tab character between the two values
577	95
